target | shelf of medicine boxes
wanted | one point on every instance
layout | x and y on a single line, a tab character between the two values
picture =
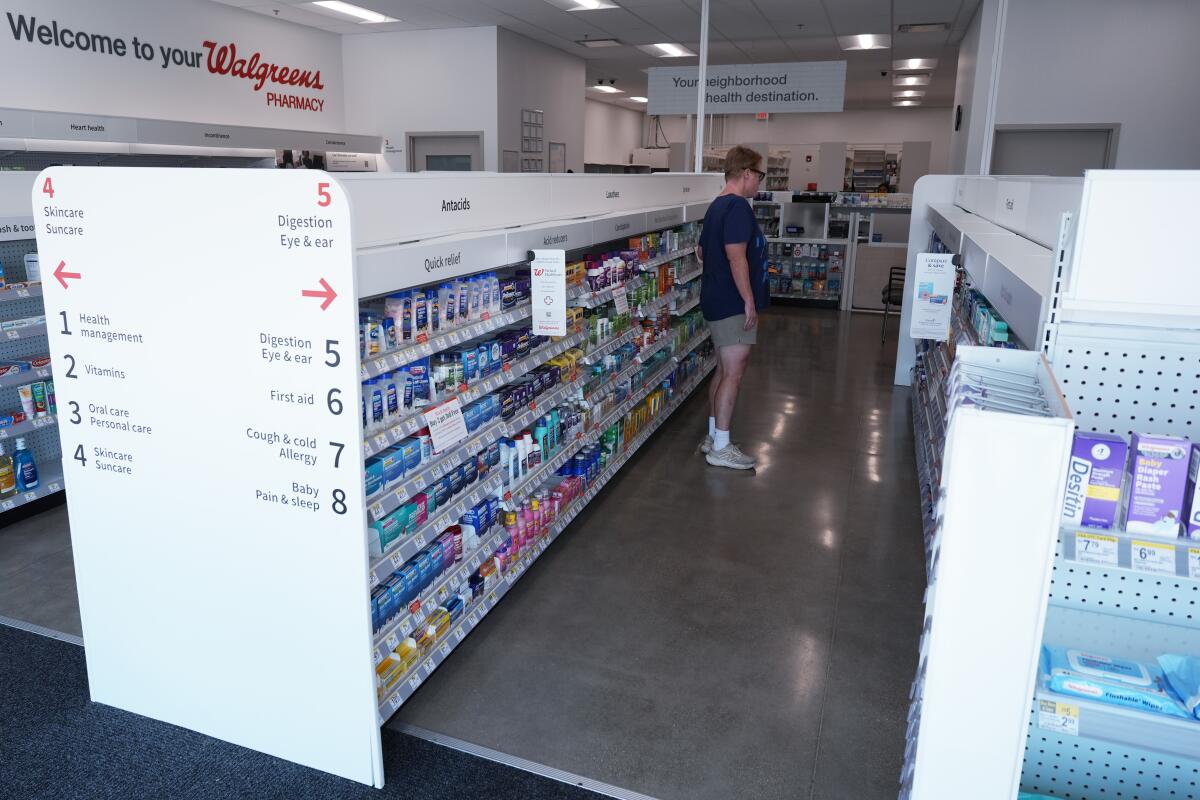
50	474
389	499
22	378
690	275
425	666
598	352
23	292
651	307
688	305
398	432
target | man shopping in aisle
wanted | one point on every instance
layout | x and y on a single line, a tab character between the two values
733	289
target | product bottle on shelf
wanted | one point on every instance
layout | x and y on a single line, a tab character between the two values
8	481
25	467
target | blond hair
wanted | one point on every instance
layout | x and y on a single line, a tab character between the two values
739	158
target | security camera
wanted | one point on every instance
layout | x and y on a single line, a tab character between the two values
883	73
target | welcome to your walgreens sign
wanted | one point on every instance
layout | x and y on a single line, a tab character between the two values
223	59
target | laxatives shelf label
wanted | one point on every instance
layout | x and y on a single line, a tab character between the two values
1061	718
549	279
1095	548
1154	557
212	443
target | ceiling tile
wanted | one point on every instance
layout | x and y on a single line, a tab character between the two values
908	12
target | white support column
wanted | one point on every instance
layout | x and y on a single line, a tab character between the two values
701	88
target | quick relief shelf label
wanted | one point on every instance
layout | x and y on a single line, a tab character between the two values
211	439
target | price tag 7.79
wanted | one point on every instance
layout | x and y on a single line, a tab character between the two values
1095	548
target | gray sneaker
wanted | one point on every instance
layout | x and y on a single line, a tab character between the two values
730	456
706	445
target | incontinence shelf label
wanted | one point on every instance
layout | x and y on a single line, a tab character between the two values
1095	548
203	330
1060	718
1157	558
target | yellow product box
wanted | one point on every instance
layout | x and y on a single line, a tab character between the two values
576	272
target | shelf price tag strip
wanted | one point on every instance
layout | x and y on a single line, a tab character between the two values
1157	558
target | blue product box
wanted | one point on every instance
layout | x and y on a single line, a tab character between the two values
374	475
425	570
455	608
412	580
379	601
483	356
443	490
470	362
410	451
508	348
394	466
472	416
470	471
394	586
458	479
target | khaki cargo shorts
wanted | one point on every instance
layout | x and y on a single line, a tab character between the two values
731	330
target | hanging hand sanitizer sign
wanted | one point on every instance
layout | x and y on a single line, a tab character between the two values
549	279
933	296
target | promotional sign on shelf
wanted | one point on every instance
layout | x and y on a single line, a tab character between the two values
446	425
212	451
621	299
549	290
933	297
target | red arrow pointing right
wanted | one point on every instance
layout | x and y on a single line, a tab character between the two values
61	273
326	293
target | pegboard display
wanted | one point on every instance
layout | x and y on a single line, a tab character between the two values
43	442
1080	768
1122	594
1121	379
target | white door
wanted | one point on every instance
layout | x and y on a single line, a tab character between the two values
453	152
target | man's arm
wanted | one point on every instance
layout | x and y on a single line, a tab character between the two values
739	267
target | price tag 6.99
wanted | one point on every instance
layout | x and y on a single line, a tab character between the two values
1154	557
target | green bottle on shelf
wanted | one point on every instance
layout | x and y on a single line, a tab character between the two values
8	478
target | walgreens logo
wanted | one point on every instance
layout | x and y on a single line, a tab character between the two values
224	60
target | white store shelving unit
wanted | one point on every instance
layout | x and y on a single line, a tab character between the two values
20	301
194	600
1051	254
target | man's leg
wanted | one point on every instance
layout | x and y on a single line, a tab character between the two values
713	385
731	366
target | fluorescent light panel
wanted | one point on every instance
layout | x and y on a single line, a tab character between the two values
582	5
598	43
911	80
666	50
913	64
906	102
925	27
607	89
363	15
908	93
866	41
640	99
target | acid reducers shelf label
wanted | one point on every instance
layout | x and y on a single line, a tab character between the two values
203	331
549	290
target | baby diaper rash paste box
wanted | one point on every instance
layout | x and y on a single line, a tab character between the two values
1094	480
1158	475
1192	520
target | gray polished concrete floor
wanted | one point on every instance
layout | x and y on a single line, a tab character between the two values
37	572
703	634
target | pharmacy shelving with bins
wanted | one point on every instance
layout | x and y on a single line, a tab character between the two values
425	666
20	302
313	565
1048	254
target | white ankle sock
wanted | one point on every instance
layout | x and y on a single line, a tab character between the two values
712	425
720	439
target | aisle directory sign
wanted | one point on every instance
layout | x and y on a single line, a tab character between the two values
203	329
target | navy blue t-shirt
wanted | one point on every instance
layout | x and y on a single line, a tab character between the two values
730	220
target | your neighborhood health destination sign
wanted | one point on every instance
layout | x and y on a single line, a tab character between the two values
750	88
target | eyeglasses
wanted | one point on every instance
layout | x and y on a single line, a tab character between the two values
761	175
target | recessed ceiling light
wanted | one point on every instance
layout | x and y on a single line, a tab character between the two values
582	5
910	64
640	99
909	93
598	43
906	102
866	41
364	15
666	50
925	27
911	80
607	89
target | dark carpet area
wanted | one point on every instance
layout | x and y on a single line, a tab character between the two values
56	743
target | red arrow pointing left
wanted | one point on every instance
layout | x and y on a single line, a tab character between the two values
326	291
62	275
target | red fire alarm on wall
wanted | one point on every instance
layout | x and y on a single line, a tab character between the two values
762	115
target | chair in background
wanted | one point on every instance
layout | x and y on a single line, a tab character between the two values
891	295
